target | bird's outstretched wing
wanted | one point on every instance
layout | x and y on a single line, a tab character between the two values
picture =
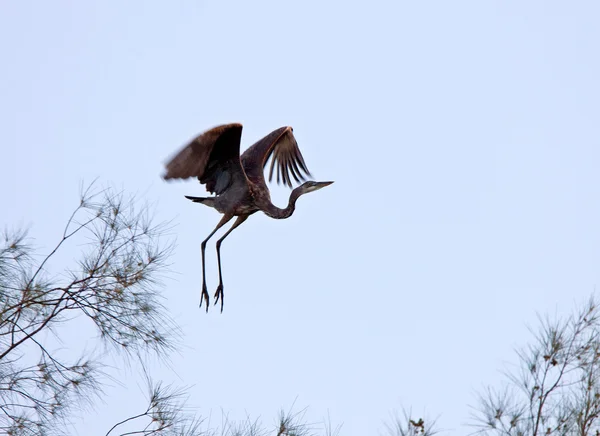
281	146
213	157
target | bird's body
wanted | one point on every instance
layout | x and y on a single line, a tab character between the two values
238	202
238	181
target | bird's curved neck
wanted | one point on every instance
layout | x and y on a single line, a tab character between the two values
275	212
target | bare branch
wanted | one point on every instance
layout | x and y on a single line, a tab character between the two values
556	390
407	425
115	284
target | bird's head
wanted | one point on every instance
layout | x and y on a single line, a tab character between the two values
311	186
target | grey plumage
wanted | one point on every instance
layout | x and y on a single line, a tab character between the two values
238	180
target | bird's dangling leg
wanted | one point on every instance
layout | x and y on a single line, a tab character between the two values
219	293
204	295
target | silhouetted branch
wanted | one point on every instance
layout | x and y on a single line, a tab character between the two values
407	425
289	424
164	415
115	284
556	391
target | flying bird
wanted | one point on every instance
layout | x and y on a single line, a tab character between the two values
238	181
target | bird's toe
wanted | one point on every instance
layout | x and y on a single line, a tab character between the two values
204	296
219	296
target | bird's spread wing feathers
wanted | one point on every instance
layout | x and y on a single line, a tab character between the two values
281	147
213	157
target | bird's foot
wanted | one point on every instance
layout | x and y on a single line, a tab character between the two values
204	296
219	295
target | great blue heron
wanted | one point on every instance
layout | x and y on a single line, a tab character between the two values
238	181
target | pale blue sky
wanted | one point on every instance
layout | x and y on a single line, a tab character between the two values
463	138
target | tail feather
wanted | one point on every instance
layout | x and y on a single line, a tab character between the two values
196	199
204	200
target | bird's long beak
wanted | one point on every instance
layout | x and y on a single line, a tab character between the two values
320	185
